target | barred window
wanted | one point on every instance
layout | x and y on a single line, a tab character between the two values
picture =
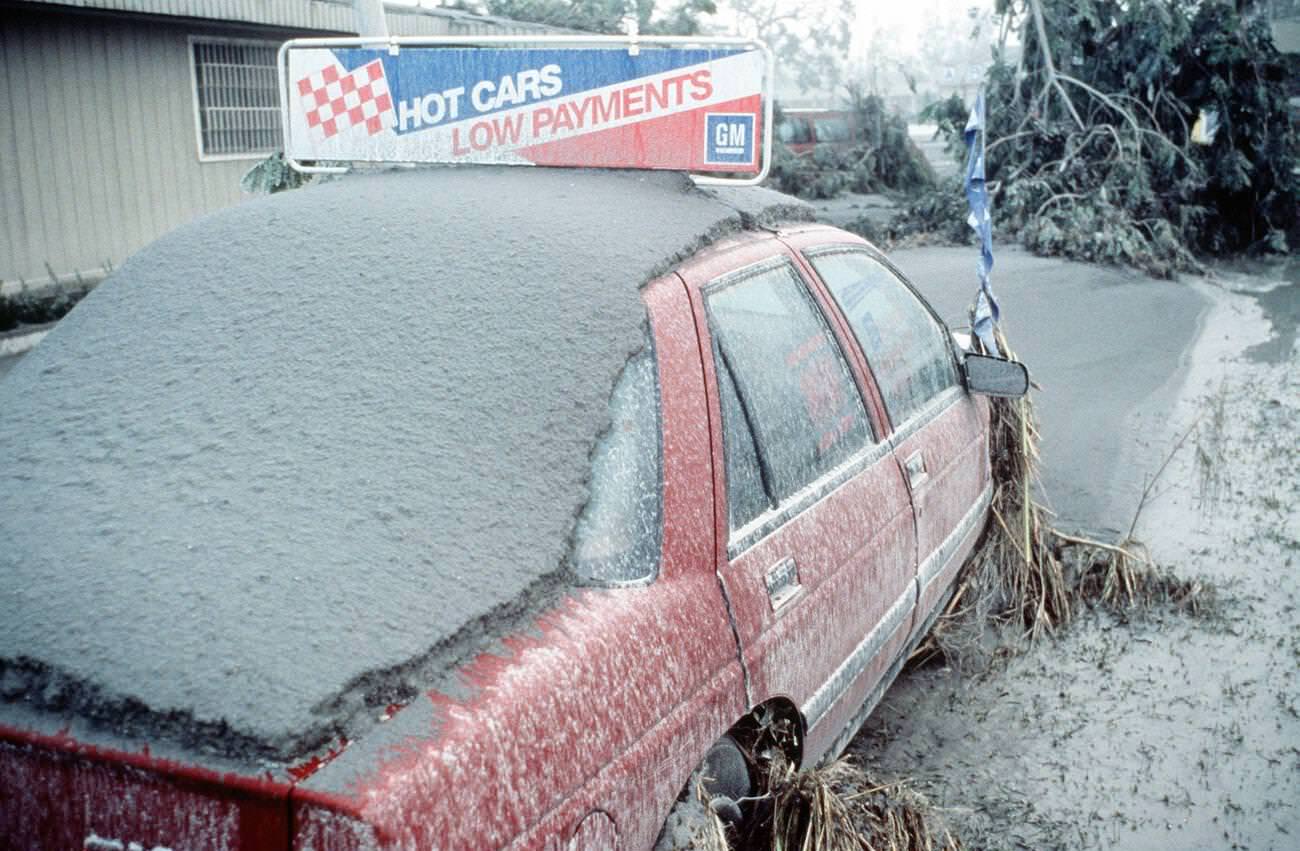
237	97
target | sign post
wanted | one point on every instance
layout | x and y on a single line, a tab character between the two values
683	104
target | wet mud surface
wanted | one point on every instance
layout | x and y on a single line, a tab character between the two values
1161	730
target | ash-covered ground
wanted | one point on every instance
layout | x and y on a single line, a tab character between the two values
1159	730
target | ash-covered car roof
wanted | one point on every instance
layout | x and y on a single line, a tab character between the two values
290	452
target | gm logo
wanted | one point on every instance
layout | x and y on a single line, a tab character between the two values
729	138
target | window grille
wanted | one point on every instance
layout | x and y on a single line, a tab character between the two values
237	97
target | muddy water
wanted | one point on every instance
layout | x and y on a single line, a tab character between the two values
1167	731
1282	306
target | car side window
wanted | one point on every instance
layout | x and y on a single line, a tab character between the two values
619	532
746	494
790	386
794	131
908	350
832	130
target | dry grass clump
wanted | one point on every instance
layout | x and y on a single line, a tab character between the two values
1124	578
839	807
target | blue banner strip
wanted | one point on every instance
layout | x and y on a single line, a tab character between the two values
986	311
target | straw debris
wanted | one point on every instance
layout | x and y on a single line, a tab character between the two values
840	807
1027	579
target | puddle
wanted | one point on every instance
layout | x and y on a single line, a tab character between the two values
1282	307
1275	284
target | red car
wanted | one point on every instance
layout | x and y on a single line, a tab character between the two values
802	130
468	509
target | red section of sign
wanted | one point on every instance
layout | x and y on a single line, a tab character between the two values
674	142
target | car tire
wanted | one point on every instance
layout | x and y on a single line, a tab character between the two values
708	811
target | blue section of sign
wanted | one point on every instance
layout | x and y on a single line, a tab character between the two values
728	138
436	85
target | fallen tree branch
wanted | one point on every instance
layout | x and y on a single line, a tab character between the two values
1053	76
1104	98
1060	196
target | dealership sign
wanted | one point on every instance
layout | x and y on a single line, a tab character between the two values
692	106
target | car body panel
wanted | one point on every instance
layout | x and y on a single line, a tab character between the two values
849	535
951	443
563	717
59	792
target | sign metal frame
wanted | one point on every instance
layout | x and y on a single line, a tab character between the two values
633	43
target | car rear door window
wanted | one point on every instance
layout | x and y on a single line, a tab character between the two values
792	388
619	532
907	348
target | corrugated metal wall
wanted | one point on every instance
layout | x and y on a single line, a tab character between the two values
98	147
97	142
329	15
308	14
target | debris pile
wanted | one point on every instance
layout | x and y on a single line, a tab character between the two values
1028	578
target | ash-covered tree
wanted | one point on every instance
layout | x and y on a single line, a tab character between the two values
607	16
1146	132
809	37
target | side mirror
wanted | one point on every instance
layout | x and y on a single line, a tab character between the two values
995	376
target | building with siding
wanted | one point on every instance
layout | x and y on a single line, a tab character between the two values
121	119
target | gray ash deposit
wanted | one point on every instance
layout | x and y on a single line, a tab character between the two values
292	449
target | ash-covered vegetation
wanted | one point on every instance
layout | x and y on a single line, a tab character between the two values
37	307
1150	133
883	158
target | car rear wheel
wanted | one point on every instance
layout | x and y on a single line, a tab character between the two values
709	809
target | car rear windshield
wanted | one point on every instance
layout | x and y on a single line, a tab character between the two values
619	532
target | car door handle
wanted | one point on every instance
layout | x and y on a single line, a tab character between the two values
782	581
916	472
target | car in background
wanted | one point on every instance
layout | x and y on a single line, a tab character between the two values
469	509
802	130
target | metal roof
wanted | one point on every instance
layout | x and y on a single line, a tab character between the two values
322	15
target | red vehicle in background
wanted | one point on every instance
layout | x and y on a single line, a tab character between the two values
801	130
770	514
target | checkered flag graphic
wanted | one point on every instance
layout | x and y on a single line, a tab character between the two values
335	101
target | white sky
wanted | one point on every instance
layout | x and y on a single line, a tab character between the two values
905	20
906	17
902	20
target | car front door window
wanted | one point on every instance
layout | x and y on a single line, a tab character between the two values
907	348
